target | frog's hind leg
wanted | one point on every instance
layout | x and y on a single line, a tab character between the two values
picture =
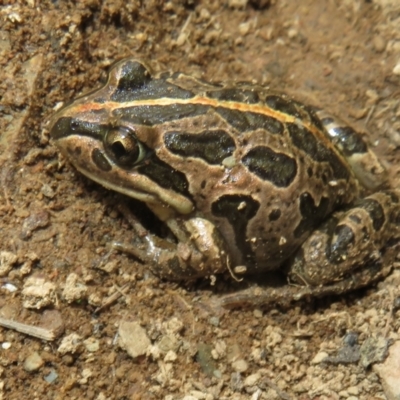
257	296
351	250
350	241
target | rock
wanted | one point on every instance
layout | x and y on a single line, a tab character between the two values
389	372
374	350
379	43
74	289
37	220
169	342
252	379
320	357
33	362
170	356
38	292
204	358
91	344
51	377
237	4
240	365
396	69
7	260
133	338
353	390
70	344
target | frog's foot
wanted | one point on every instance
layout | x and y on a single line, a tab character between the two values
198	251
349	241
285	295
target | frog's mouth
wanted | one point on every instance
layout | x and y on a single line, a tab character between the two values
141	182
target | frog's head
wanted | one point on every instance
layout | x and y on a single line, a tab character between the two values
107	136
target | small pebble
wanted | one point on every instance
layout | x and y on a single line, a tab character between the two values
214	321
351	339
6	345
396	69
70	344
133	338
91	344
217	373
396	303
240	365
319	357
353	390
170	356
244	28
33	362
379	44
51	377
168	342
238	4
10	287
389	372
204	14
252	379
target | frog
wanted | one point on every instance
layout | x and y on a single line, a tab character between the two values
248	181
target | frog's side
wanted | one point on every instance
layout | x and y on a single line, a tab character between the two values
246	180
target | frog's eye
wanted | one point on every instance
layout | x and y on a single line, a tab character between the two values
123	147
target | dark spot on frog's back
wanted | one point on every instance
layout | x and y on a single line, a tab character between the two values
283	105
277	168
211	146
305	140
314	117
238	210
233	94
100	161
250	121
156	114
312	214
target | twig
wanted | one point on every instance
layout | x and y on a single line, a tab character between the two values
115	296
35	331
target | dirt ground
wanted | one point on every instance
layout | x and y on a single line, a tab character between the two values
56	269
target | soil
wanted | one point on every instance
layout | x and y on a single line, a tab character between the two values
56	268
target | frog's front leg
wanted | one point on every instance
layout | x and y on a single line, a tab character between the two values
199	249
349	241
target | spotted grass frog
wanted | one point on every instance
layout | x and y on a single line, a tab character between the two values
247	180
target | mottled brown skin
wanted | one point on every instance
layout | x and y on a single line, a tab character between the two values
246	180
